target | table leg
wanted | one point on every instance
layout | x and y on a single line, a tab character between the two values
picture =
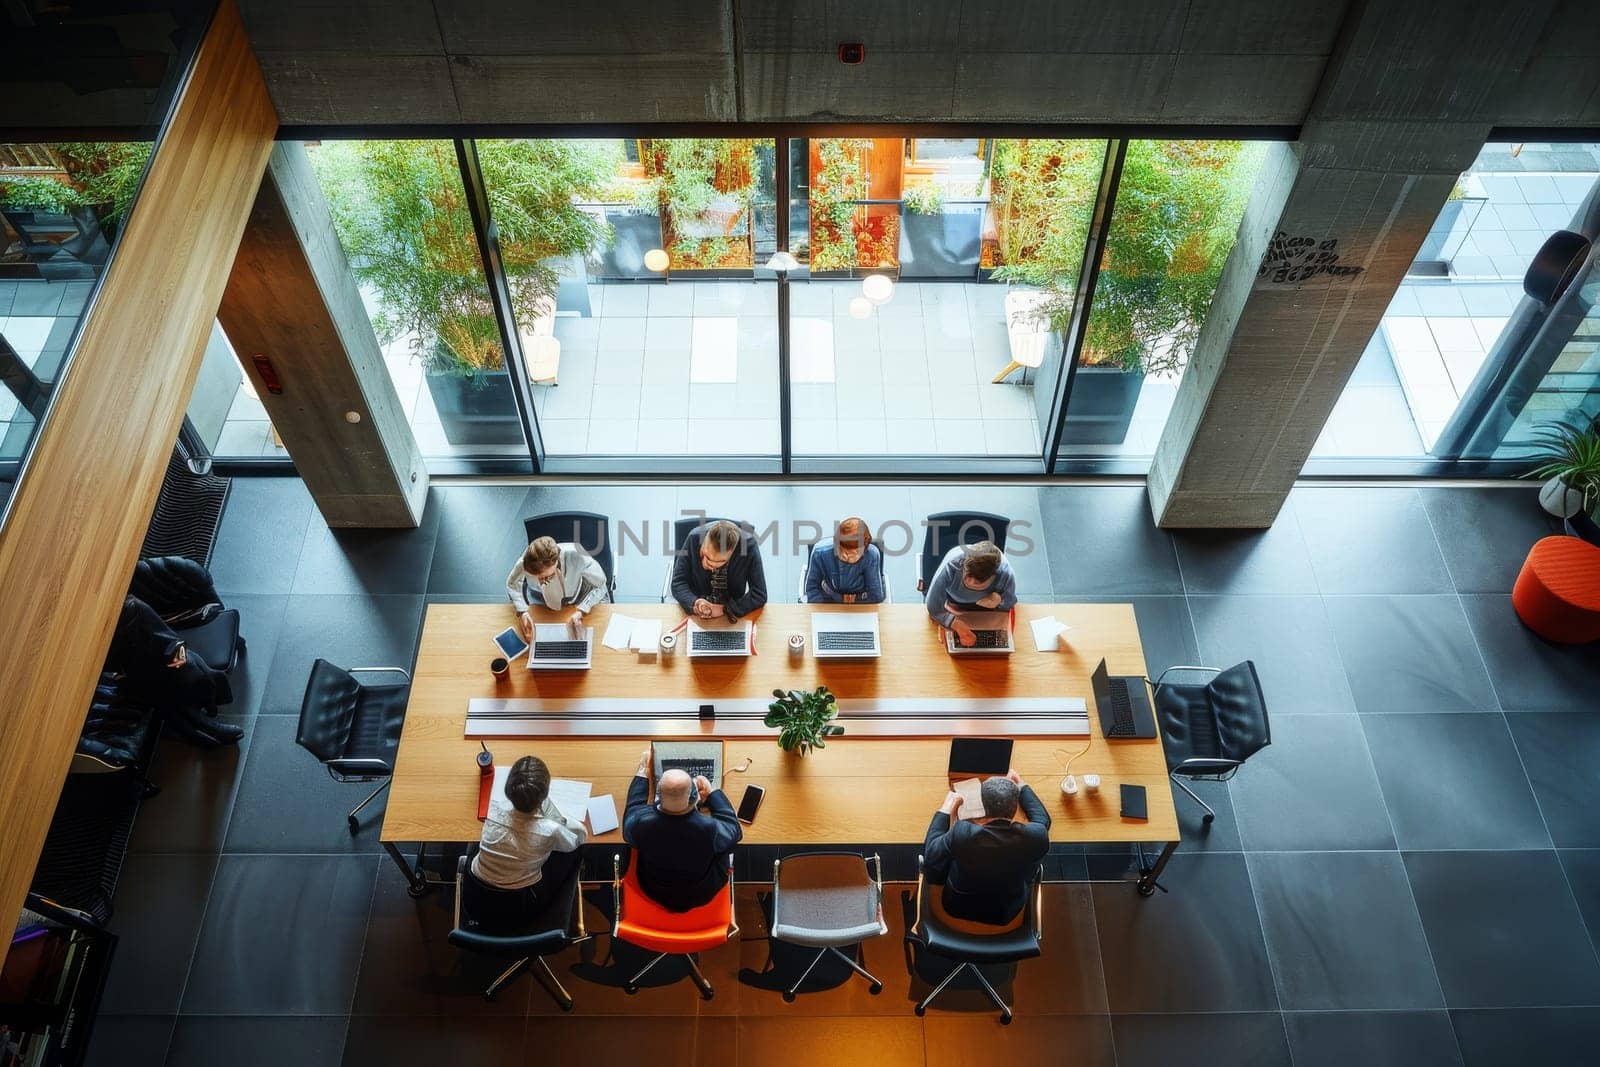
1148	875
416	885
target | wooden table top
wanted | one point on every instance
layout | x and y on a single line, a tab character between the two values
863	790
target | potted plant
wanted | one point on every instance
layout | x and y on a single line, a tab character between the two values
704	189
82	186
401	213
939	238
847	233
802	717
1571	467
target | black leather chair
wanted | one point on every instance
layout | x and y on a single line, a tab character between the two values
973	945
353	727
947	529
681	529
589	530
182	592
1211	722
558	924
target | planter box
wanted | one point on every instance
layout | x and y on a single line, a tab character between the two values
942	245
1100	408
477	410
634	232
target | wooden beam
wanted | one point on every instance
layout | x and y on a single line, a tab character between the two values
80	511
292	299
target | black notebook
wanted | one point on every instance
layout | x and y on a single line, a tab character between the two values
1133	802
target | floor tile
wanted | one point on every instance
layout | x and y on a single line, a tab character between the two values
244	1041
368	561
1485	533
286	801
1560	751
1373	1039
198	786
1202	937
960	1041
1289	639
1369	541
382	1041
480	537
262	531
1313	789
351	631
695	1041
1274	560
1247	1040
260	624
1530	673
1454	781
282	935
1410	653
1503	928
1527	1035
159	904
129	1040
1582	868
1342	931
789	1040
1102	541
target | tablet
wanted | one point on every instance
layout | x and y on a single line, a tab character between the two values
510	643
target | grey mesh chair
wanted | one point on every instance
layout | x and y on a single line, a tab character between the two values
827	901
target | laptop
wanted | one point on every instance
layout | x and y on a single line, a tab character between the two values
993	630
555	649
692	757
844	635
979	755
1123	705
723	640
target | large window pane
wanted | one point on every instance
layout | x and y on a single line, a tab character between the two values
1447	321
634	276
1177	216
915	325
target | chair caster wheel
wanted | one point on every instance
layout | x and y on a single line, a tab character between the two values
875	988
788	998
355	825
1146	890
1005	1020
417	892
920	1010
567	1006
707	994
1207	818
488	998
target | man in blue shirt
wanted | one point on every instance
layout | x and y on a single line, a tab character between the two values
970	578
848	571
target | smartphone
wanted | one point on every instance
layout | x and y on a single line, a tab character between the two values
749	803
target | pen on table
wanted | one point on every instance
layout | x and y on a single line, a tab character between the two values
680	625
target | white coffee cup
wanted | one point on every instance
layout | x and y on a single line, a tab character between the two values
1091	782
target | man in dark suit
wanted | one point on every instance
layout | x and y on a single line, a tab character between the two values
680	852
985	864
718	574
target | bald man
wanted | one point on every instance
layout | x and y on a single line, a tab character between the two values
681	852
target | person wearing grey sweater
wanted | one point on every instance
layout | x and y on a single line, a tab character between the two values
970	578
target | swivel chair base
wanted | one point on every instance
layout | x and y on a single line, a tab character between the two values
875	988
1181	784
355	823
1005	1009
706	992
557	991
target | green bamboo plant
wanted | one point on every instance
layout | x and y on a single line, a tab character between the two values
802	718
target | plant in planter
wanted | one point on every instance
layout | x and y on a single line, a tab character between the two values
704	188
844	235
802	718
98	178
1570	467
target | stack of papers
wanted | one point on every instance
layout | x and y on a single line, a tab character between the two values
619	631
570	798
646	635
602	814
1047	632
971	790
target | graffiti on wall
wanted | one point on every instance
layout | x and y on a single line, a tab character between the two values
1300	259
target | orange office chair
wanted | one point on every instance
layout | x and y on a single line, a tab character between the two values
641	921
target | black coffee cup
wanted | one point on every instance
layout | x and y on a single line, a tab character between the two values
499	667
485	762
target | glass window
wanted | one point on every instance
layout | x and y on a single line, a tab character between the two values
1177	214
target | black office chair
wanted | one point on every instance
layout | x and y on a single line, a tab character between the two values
1212	720
182	592
586	529
681	529
353	727
557	924
947	529
971	945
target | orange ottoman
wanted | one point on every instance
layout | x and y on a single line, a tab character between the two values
1557	595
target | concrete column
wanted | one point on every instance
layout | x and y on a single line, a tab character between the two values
1334	221
292	298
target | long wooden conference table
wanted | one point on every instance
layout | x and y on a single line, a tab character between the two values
858	789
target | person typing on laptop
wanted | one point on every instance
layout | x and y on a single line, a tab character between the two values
718	575
970	578
985	864
555	575
681	852
848	571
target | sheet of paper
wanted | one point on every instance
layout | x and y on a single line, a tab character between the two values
619	631
646	634
971	790
498	804
1046	632
570	798
602	814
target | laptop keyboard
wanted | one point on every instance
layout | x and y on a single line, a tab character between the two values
717	641
1121	709
846	641
562	650
703	768
991	639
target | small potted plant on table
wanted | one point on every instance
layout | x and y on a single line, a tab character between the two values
802	718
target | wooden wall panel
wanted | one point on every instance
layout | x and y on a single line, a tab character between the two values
80	511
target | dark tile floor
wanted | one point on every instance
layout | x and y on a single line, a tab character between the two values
1381	886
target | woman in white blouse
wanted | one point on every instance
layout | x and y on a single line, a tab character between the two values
554	575
525	843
